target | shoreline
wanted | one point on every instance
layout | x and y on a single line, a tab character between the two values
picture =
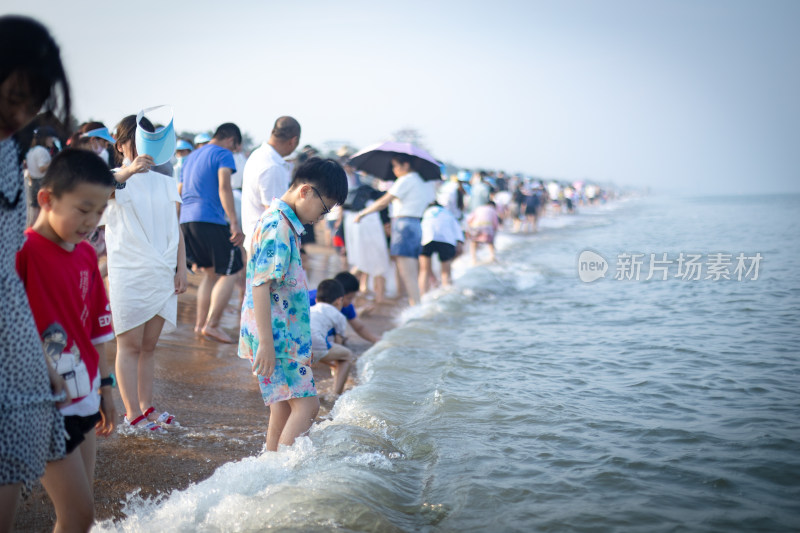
215	398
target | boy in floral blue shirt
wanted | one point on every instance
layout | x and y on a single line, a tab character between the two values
276	307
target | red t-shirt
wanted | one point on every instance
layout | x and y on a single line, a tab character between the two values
70	306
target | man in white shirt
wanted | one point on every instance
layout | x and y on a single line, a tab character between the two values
266	174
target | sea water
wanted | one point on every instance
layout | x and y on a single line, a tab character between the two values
526	399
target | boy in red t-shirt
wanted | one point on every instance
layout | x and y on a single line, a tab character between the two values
68	299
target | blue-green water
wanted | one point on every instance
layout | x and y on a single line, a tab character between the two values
527	400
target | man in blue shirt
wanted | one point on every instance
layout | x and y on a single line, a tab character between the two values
210	227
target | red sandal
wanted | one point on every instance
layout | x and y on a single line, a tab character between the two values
148	426
164	419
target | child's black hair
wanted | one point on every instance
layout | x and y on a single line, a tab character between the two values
30	52
329	290
326	175
348	281
71	167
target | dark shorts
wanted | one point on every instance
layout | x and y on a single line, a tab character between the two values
445	251
209	245
77	427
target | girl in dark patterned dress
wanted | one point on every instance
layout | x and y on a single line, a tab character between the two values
32	429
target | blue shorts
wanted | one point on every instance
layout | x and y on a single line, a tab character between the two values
406	237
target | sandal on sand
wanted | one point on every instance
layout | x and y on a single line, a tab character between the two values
142	423
164	419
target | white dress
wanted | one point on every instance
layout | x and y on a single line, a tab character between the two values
365	243
142	237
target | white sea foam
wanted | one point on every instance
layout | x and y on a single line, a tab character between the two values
235	485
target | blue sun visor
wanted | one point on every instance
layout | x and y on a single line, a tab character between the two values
159	144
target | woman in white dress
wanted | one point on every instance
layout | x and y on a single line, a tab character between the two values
146	272
365	242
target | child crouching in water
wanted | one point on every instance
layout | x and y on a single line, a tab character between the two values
276	330
68	299
328	323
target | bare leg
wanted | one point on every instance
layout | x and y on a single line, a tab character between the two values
425	273
491	252
278	415
88	451
342	359
340	374
303	412
129	348
363	279
9	496
220	295
408	268
204	289
147	362
446	278
67	485
398	282
473	251
380	289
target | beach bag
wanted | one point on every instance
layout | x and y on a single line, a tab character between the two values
67	363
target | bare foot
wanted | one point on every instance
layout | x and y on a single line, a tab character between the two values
217	334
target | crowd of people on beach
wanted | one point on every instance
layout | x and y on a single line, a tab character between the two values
97	240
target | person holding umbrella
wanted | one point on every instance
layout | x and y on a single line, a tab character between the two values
410	195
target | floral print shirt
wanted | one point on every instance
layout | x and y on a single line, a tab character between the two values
275	259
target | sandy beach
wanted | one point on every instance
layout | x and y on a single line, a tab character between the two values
214	397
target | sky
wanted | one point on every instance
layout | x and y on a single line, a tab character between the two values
693	97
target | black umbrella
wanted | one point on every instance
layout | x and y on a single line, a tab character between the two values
377	160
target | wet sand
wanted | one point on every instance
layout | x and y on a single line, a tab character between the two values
215	398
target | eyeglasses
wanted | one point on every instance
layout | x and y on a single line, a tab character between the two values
325	207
